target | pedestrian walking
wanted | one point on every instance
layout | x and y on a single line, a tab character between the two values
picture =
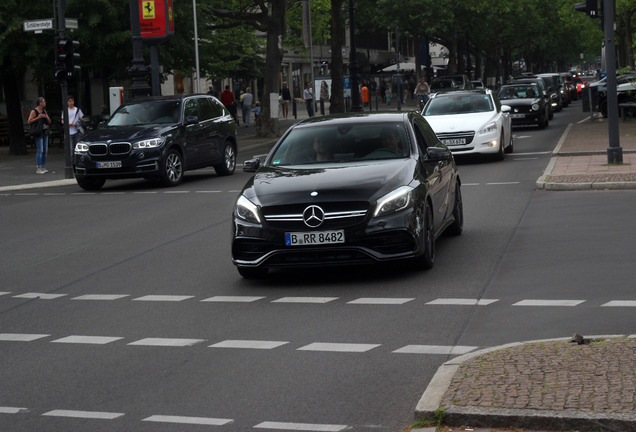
246	101
387	94
212	91
308	95
364	95
39	126
75	129
285	99
227	99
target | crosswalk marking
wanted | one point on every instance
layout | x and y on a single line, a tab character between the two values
208	421
381	301
94	340
462	301
43	296
338	347
84	414
161	298
435	349
4	292
233	299
105	297
548	303
249	344
15	337
620	303
11	410
305	299
301	426
173	342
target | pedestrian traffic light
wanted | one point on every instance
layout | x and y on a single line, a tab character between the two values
589	7
60	59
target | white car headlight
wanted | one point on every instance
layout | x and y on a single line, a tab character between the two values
81	147
246	210
489	128
394	201
149	143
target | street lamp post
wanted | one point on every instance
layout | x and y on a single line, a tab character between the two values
196	44
614	151
356	105
139	69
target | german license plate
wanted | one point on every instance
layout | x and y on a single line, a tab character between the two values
456	141
314	238
113	164
517	115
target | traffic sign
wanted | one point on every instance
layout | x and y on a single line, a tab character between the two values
71	23
38	25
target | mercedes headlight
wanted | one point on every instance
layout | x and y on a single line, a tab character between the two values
394	201
149	143
246	210
535	107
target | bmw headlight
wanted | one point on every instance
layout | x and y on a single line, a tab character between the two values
394	201
149	143
489	128
246	210
81	147
535	107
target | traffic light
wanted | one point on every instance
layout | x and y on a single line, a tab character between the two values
71	56
60	59
589	7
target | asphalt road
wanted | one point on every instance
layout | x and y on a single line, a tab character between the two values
120	310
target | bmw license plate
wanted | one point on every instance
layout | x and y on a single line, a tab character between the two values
456	141
113	164
314	238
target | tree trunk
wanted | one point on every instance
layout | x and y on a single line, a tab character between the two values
17	142
273	59
337	66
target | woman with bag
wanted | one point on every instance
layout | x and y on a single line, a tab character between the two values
75	129
39	122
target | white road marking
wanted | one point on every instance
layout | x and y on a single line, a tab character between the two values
173	342
338	347
43	296
11	410
177	192
248	344
26	194
435	349
462	301
160	298
620	303
548	303
54	193
212	191
208	421
305	299
113	193
4	292
501	183
94	340
146	192
15	337
380	301
301	427
470	184
101	297
233	299
84	414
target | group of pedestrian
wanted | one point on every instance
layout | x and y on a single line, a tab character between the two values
40	126
245	101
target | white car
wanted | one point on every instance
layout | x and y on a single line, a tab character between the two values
471	121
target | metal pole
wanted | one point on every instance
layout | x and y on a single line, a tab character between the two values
196	44
138	70
311	54
614	151
399	80
68	151
356	106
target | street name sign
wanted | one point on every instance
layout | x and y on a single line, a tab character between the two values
38	25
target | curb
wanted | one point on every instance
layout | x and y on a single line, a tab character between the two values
430	403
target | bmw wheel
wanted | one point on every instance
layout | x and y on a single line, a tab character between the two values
229	161
90	184
171	171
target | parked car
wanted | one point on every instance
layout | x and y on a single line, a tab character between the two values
471	121
477	84
347	189
625	92
527	104
549	96
462	81
158	138
569	85
442	85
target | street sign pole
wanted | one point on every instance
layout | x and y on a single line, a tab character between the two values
68	151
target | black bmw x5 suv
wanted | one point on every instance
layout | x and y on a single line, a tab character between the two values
158	138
